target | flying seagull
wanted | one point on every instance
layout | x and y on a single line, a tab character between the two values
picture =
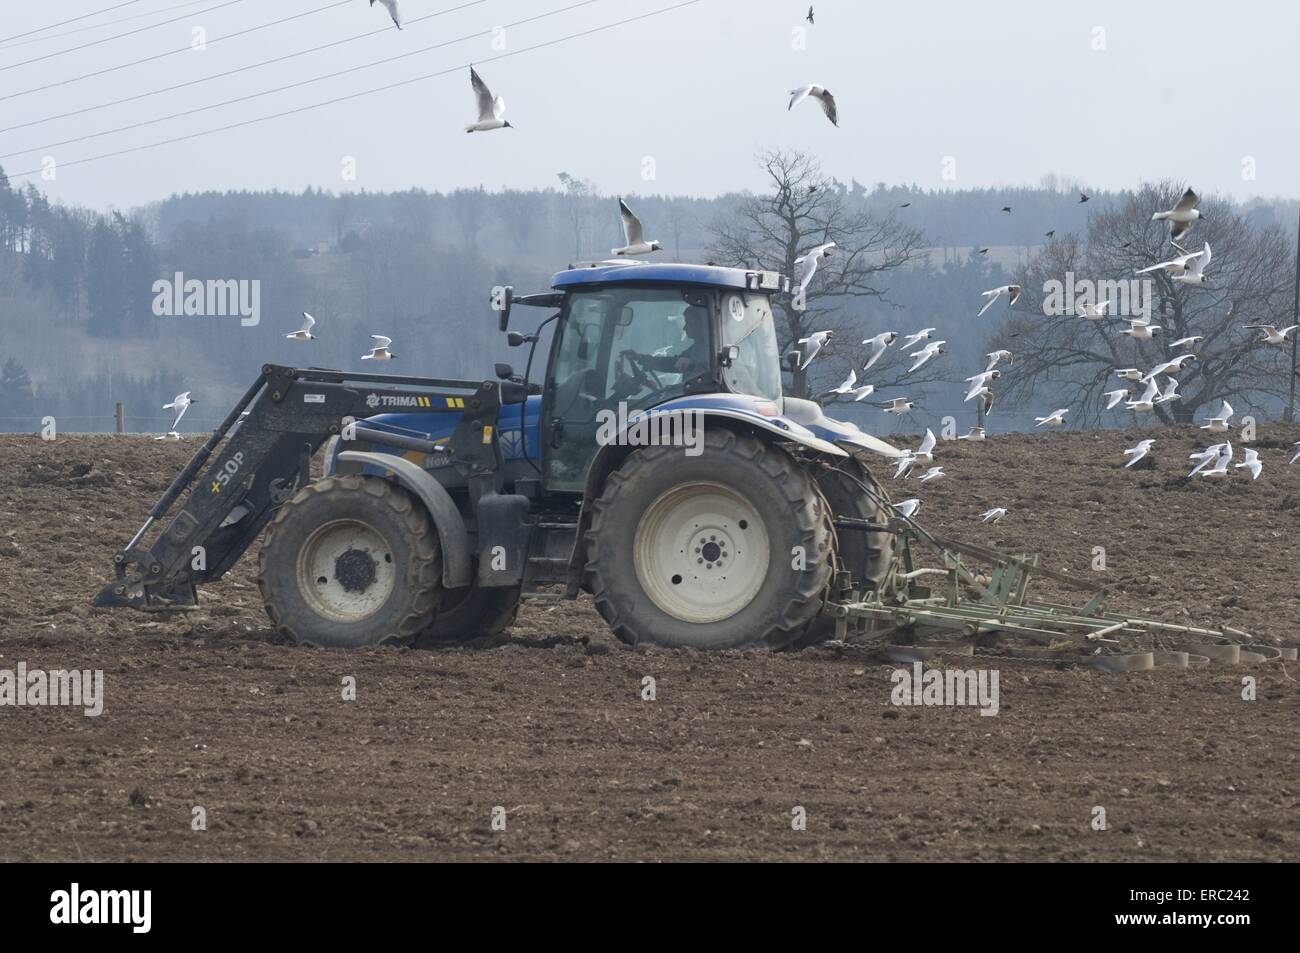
1137	453
1251	463
820	93
1297	452
848	383
1205	457
633	235
180	404
304	332
1011	292
490	108
809	18
814	258
1054	419
171	436
985	396
1139	330
1181	216
1147	402
934	473
1169	367
380	351
917	338
907	509
993	515
1115	397
996	356
1186	342
815	341
393	8
1271	334
899	406
1170	393
1094	312
1129	374
1220	467
1220	423
926	354
1195	272
975	433
878	345
978	382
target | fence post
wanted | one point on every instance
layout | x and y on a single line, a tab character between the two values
120	418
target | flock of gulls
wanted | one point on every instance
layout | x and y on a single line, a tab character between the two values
1188	268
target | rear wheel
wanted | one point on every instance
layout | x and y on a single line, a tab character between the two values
727	548
471	613
350	561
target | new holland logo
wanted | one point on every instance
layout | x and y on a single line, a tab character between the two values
397	400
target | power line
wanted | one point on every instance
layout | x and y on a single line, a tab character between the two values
6	44
296	85
365	92
55	26
240	69
118	36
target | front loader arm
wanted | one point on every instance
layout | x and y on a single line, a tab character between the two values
261	455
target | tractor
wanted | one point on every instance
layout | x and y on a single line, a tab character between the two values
657	466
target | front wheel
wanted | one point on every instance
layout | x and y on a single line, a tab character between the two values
350	561
727	548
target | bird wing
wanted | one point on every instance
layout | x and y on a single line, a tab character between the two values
308	322
383	341
632	231
1187	202
829	107
394	11
483	96
798	95
927	445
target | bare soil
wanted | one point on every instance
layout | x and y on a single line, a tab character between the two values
211	709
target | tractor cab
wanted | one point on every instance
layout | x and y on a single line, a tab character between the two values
633	336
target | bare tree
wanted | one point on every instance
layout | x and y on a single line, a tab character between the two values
1074	359
805	209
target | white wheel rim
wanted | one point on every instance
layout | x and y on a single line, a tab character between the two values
346	571
701	552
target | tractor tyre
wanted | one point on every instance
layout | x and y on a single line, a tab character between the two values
350	561
867	556
724	549
471	613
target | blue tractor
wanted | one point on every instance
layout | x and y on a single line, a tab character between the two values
657	465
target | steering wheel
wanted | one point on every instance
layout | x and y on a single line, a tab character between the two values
641	374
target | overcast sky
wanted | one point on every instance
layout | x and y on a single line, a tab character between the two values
1011	89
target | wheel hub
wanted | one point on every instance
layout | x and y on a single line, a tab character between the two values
355	570
346	570
701	552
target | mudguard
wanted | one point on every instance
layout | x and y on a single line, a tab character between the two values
447	521
809	414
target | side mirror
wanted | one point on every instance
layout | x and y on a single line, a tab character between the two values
504	371
729	355
502	299
514	338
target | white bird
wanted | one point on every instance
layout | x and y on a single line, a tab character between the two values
1138	452
1170	393
1251	463
1054	419
926	354
1095	312
1129	374
917	338
993	515
1195	273
1174	266
1204	457
1181	216
1220	467
180	404
1168	367
815	341
905	463
907	509
171	436
633	235
1139	330
1011	292
490	108
847	384
1271	334
304	332
934	473
926	450
996	356
1115	397
863	392
813	258
878	345
820	93
1297	453
978	381
1220	423
985	397
380	351
975	433
1147	402
1186	342
899	405
394	10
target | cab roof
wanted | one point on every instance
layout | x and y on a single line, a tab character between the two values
605	272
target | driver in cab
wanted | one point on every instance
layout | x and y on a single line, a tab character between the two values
693	359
